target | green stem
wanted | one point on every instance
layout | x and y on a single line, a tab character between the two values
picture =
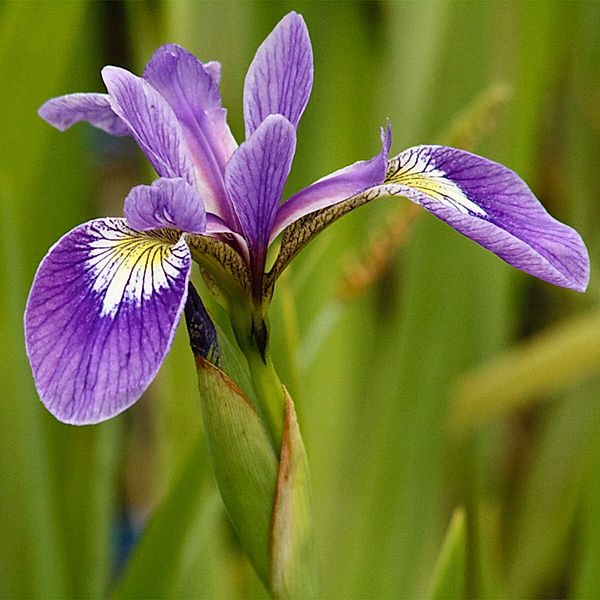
269	395
251	331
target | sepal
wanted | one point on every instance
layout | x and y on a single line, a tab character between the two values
101	317
481	199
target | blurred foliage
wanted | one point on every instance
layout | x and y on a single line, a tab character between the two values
381	376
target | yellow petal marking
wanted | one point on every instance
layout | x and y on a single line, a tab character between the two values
420	175
129	266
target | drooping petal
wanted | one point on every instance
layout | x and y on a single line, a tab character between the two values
334	188
152	123
101	316
280	77
255	177
493	206
170	203
64	111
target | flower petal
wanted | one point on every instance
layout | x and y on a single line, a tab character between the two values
101	316
213	68
493	206
193	94
192	90
334	188
255	177
279	80
64	111
171	203
152	123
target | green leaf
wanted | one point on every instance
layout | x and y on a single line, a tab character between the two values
448	579
529	371
293	564
153	573
244	463
546	507
586	582
56	542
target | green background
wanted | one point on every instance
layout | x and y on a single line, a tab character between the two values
446	384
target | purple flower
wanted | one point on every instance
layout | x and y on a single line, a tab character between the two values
108	296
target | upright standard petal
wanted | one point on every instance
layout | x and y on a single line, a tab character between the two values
193	94
152	123
170	203
280	77
255	178
64	111
101	316
334	188
493	206
192	90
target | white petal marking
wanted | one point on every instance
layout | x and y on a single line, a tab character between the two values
419	172
129	268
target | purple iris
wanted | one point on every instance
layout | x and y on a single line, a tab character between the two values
107	298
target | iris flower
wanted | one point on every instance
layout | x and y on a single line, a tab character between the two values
107	298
